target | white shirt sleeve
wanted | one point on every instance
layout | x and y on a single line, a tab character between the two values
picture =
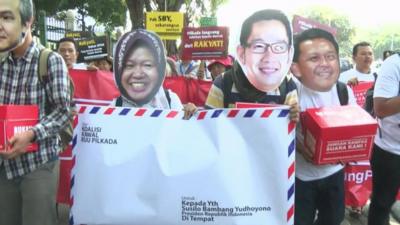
345	76
352	98
387	83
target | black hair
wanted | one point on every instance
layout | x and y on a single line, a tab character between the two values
387	53
266	14
311	34
360	44
26	10
67	39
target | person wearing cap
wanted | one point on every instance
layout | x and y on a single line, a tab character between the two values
219	66
139	71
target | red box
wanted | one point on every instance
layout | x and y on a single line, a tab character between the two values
340	133
16	119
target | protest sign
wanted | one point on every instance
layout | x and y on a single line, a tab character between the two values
168	25
301	24
94	48
205	43
222	167
79	35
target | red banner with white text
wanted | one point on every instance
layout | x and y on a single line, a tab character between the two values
358	184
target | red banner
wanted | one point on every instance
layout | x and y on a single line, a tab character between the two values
64	182
94	87
358	184
189	90
360	90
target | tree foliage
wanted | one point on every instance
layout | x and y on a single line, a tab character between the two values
105	12
386	37
109	13
345	31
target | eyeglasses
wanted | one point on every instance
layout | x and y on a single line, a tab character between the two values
261	47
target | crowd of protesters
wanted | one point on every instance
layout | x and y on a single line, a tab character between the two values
270	67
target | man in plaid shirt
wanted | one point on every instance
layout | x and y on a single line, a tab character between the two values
28	181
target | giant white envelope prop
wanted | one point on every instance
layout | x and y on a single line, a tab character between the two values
151	167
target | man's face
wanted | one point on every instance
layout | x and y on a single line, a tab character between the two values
364	57
318	64
265	66
10	25
140	77
67	50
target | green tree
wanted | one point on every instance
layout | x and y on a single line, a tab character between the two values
386	37
106	12
345	31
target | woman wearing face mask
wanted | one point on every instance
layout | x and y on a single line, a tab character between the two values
139	71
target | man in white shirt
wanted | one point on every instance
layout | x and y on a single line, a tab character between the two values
68	49
318	187
363	57
385	160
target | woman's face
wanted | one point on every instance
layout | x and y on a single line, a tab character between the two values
104	65
140	75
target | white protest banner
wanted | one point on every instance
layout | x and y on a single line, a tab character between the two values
150	167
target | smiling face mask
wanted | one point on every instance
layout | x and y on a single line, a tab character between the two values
139	64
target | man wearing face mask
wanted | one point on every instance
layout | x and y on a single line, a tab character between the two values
260	72
28	181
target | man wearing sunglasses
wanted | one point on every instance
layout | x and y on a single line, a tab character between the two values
259	74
